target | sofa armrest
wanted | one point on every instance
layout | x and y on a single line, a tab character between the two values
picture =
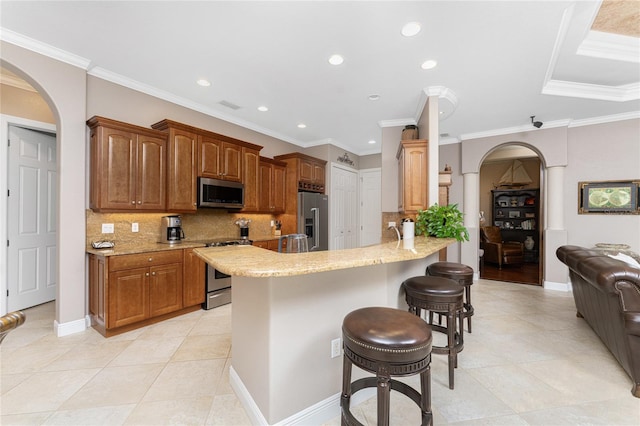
632	323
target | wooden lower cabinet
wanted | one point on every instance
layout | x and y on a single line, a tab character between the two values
270	244
193	279
131	291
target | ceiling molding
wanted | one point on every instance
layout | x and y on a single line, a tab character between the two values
43	49
610	46
605	119
397	122
516	129
17	82
627	92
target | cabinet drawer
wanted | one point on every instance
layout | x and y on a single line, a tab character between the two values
129	261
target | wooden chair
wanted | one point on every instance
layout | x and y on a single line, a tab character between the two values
10	322
498	251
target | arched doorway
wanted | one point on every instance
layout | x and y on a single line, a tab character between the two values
63	87
510	183
551	146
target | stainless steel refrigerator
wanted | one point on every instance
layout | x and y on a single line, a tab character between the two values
313	219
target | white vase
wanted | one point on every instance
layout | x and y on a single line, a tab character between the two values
529	243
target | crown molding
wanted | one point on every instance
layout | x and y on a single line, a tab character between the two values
43	48
605	119
17	82
397	122
624	93
610	46
516	129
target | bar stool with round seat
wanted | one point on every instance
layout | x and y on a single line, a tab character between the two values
463	274
442	296
387	342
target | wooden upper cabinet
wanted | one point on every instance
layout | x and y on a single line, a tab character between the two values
308	173
219	159
250	171
271	186
128	166
182	160
413	175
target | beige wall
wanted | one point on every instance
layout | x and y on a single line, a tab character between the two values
24	103
63	86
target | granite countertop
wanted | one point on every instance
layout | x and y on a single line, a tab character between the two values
124	248
252	261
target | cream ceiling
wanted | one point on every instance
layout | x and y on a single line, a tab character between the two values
498	62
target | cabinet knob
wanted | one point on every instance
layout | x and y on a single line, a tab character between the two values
151	259
133	202
139	202
153	273
147	274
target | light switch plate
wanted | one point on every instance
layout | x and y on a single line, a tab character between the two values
107	228
134	227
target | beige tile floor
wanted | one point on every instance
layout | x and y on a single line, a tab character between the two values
529	361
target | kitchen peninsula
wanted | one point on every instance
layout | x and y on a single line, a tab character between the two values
287	310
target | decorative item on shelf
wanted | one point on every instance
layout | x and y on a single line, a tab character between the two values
529	243
515	176
482	218
345	159
442	222
410	132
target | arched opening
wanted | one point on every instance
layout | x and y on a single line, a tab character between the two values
62	85
510	194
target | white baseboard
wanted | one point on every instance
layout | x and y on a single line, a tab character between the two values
550	285
316	414
70	327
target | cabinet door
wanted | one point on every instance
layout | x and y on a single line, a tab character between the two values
165	289
231	162
97	277
250	172
208	157
181	171
278	189
128	297
264	187
151	186
414	178
116	169
318	174
306	170
193	275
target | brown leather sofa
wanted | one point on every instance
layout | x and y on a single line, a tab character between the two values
607	295
498	251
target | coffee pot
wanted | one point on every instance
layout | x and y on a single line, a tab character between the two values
243	223
171	229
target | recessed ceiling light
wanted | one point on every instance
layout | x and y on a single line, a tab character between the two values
410	29
427	65
374	97
336	59
204	83
372	141
263	108
302	126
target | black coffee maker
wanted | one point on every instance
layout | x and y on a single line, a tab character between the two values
243	223
171	230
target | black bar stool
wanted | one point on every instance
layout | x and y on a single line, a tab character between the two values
442	296
387	342
460	273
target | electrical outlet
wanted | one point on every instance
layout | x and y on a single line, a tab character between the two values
107	228
336	347
134	227
392	224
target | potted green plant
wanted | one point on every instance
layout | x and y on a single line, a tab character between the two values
442	222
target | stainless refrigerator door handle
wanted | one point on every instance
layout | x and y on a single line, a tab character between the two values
316	221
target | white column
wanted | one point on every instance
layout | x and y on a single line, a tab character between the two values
469	250
555	197
555	234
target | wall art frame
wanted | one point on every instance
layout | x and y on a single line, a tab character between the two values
609	197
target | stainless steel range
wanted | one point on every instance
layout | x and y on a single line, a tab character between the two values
219	284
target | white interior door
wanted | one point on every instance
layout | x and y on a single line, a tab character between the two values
31	218
370	207
344	206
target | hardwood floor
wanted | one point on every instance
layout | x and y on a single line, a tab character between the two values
527	273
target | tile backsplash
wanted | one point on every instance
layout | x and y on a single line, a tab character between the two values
203	225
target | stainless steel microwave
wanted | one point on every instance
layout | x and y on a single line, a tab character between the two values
218	193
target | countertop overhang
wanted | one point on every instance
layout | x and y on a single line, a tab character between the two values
249	261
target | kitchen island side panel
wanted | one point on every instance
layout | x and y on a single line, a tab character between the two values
283	328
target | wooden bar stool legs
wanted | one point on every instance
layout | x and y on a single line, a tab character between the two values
387	342
445	297
463	275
